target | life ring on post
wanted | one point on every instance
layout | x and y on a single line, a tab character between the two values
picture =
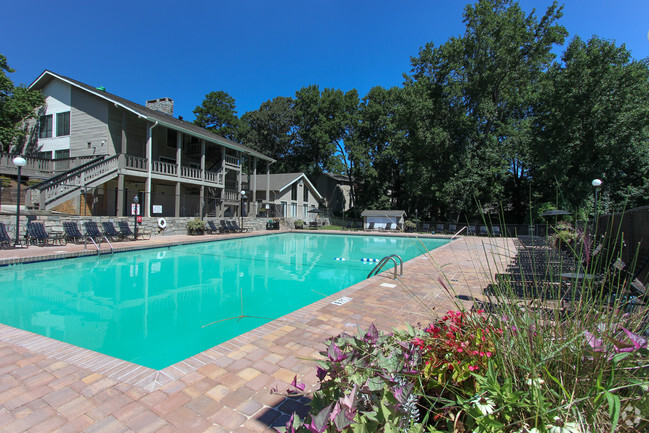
162	223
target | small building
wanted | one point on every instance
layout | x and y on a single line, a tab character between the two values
335	189
380	218
289	195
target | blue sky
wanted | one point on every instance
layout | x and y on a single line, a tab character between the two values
257	50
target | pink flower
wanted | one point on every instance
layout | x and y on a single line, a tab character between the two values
473	367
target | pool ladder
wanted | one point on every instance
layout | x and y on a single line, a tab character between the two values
383	262
112	250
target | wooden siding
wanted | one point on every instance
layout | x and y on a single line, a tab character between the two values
136	135
88	124
115	129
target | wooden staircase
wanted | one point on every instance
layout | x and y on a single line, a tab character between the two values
59	189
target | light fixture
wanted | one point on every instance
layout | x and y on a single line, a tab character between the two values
19	162
596	182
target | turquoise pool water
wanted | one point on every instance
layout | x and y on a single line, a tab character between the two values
150	307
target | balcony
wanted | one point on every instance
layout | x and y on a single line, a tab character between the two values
166	170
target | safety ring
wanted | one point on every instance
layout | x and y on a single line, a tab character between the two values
162	223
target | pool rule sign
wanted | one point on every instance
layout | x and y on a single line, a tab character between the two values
135	209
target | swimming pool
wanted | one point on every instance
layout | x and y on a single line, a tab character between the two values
157	307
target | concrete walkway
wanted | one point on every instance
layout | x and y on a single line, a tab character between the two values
46	385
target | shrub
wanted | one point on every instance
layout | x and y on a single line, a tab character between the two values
195	226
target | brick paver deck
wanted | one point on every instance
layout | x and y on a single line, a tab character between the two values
47	386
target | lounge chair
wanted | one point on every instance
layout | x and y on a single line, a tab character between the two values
211	228
37	235
127	233
439	228
389	227
92	231
235	227
5	240
72	233
111	232
225	228
370	226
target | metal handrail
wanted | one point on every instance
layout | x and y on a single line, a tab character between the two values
91	240
112	250
459	231
382	263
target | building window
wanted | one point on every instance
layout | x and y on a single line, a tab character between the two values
305	210
294	192
45	128
283	204
63	124
305	195
293	210
62	154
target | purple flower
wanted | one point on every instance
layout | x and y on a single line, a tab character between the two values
335	354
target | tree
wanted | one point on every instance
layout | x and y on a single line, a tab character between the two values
594	123
218	114
377	149
323	123
475	95
17	106
270	130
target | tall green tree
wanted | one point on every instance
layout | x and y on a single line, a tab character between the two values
377	149
18	104
594	123
475	95
324	121
270	130
218	114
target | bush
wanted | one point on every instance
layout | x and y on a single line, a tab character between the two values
299	224
195	226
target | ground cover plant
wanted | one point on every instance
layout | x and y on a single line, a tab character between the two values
561	359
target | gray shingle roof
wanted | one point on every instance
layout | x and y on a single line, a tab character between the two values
166	119
383	213
279	181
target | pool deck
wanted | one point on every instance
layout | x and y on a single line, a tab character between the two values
46	385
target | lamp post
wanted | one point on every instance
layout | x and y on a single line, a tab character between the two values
19	162
136	200
596	184
243	197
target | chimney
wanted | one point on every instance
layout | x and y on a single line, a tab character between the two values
163	105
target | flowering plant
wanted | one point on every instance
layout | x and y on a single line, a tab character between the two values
454	348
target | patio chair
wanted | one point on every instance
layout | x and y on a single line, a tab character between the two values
235	227
211	228
370	226
72	233
128	233
37	235
5	240
111	232
389	227
92	231
439	228
225	228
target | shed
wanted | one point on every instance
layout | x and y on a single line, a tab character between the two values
382	217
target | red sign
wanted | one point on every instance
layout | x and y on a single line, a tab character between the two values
139	219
